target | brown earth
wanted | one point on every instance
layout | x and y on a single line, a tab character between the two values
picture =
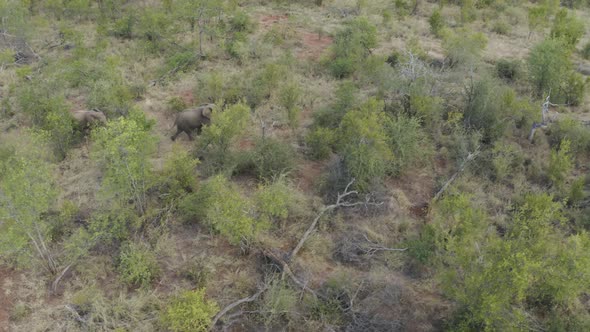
6	300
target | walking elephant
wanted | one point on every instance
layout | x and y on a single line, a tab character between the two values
85	119
189	120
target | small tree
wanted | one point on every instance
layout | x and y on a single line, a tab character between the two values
560	163
363	144
27	191
122	148
548	65
464	47
218	138
189	311
567	28
352	46
436	22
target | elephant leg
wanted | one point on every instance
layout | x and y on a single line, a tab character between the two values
178	131
190	136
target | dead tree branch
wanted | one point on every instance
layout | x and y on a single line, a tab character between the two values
470	157
237	303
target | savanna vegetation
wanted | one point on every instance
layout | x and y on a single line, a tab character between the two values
362	165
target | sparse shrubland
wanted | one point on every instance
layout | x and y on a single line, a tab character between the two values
368	166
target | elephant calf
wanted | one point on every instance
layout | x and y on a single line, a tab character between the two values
85	119
191	119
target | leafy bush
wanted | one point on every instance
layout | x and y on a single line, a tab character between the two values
436	22
122	149
346	99
508	69
548	67
277	201
464	47
241	22
506	160
408	141
320	141
190	311
574	131
176	104
217	139
226	211
138	265
486	105
279	302
501	27
567	28
289	96
363	144
111	97
272	158
560	163
573	89
179	173
352	46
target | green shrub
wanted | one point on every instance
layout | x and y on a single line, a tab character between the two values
217	140
123	27
346	99
573	89
548	67
427	109
464	47
179	62
289	96
176	104
241	22
272	158
189	311
567	28
138	265
408	141
226	211
501	27
508	69
363	144
436	22
114	225
179	173
276	201
573	130
352	46
560	163
506	160
113	98
122	149
279	302
320	141
485	108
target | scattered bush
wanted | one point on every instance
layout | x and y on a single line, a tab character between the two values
272	158
464	47
508	69
574	131
277	201
179	173
408	141
548	67
586	51
501	27
567	28
138	265
486	106
352	46
560	163
279	302
190	311
226	211
320	141
217	140
363	144
436	22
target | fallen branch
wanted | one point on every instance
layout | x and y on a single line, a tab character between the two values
469	158
235	304
374	247
58	279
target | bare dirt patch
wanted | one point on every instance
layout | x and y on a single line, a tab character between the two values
308	175
268	20
314	45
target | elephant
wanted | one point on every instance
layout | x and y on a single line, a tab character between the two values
84	119
191	119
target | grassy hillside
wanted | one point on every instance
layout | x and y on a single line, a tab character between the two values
370	165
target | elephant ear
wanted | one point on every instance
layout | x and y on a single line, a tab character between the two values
207	112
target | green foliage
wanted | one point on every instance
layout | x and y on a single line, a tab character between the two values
289	96
189	311
548	67
138	265
352	46
112	97
272	157
179	173
346	99
14	17
115	225
573	89
560	163
176	104
226	211
408	141
241	22
464	47
320	141
486	105
501	27
468	11
436	22
27	192
427	109
217	139
122	149
506	159
276	201
567	28
508	70
279	302
574	131
363	144
180	62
